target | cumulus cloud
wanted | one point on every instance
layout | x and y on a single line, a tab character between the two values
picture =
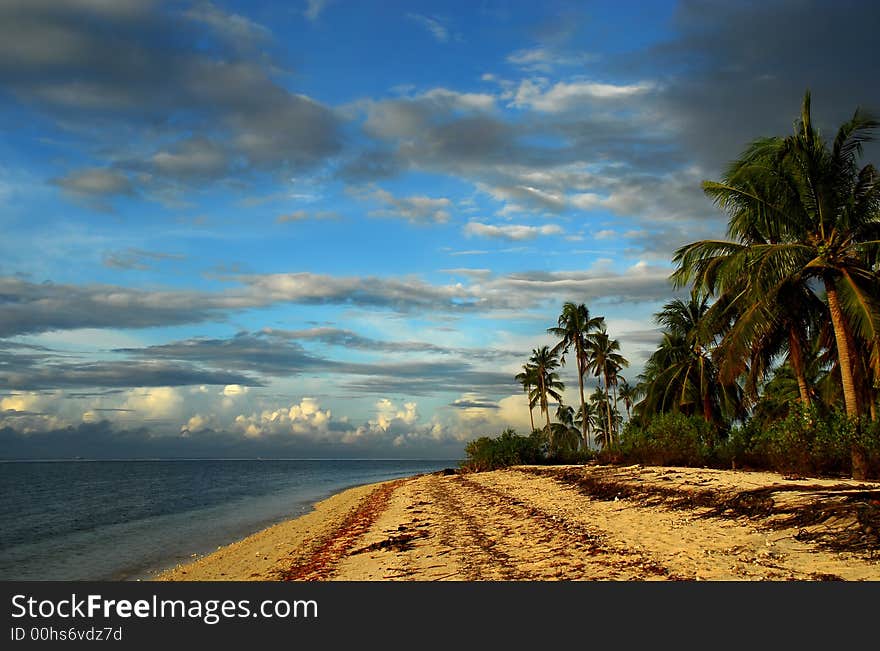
154	402
31	411
305	418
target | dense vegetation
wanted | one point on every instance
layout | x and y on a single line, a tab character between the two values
771	360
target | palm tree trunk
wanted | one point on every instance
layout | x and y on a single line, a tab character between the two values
857	454
583	407
545	407
531	416
615	405
795	356
707	407
608	404
843	354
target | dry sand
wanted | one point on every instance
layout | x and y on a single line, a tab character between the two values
570	523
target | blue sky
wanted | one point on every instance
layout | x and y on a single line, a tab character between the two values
328	228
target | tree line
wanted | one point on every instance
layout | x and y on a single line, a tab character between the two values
777	335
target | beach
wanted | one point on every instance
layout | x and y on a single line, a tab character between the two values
586	523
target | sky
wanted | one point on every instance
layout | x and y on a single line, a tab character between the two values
337	229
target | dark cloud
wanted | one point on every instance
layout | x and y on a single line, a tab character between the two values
244	352
275	354
370	165
435	381
146	73
473	404
27	307
348	339
739	70
95	182
121	374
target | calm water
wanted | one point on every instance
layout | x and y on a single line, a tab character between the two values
114	520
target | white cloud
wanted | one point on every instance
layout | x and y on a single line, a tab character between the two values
303	419
235	28
417	208
543	59
154	402
536	94
513	232
389	414
314	8
437	29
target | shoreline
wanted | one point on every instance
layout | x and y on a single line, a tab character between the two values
568	523
256	556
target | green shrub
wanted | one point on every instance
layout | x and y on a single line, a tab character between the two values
670	439
509	449
808	443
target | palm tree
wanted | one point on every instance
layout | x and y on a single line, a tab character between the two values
628	394
681	374
598	405
547	383
820	215
565	434
604	361
585	419
605	426
573	329
528	379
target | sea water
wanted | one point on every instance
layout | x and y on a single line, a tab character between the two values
125	520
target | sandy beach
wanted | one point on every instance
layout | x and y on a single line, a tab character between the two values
589	523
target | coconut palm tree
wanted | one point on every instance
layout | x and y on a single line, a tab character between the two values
528	379
547	383
681	374
605	361
573	330
585	419
565	434
819	214
628	394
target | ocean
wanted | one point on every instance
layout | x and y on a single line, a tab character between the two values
125	520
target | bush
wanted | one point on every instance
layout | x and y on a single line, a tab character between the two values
670	439
509	449
809	443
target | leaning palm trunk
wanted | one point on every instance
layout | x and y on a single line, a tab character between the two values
857	453
531	416
850	399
